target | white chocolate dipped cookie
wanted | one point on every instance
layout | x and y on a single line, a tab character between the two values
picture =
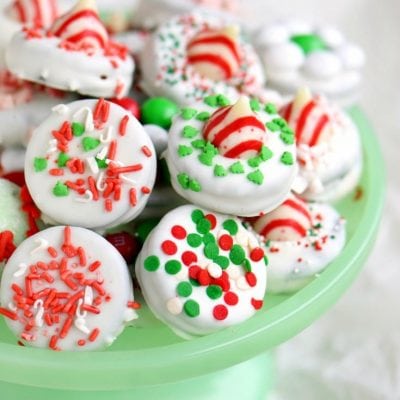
74	54
328	147
90	164
201	272
195	55
297	53
301	239
232	158
67	288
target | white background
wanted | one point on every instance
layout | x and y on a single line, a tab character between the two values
353	352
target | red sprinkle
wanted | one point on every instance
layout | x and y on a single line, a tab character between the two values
146	151
220	312
257	304
251	279
225	242
8	313
257	254
169	247
108	205
231	298
132	197
145	190
188	258
94	266
52	251
212	220
123	124
134	305
53	342
93	336
178	232
204	277
56	172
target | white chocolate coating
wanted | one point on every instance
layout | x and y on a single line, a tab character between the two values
232	193
95	75
160	287
113	287
80	207
173	77
334	71
293	264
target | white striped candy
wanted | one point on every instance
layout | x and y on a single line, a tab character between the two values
235	130
39	13
289	222
308	117
215	53
82	26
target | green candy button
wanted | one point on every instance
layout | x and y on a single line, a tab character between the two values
159	111
191	308
309	43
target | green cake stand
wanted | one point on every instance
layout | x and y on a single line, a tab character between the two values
148	362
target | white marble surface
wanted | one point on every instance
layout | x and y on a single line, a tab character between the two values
353	352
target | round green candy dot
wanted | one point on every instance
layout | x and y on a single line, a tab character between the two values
211	251
194	282
209	238
144	228
172	267
194	240
231	226
197	215
214	292
237	254
203	226
151	263
191	308
309	43
184	289
222	261
159	111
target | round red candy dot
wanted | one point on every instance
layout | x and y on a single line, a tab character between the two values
204	278
231	298
194	271
188	258
257	304
169	247
220	312
225	242
251	279
178	232
129	105
257	254
212	219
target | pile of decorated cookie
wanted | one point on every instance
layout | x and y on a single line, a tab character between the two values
209	166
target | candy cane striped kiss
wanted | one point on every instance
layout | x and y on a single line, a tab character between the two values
289	222
215	53
40	13
235	130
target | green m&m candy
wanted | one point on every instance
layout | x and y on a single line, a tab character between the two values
309	43
159	111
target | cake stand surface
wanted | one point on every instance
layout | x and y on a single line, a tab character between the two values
150	362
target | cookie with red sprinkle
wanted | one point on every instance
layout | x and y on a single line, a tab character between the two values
300	240
200	271
67	288
90	164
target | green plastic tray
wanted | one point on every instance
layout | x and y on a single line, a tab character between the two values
149	362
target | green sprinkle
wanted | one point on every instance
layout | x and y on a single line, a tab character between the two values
211	101
287	158
270	108
223	100
189	132
60	190
272	126
206	158
210	148
183	180
222	261
247	265
194	240
90	143
203	226
287	138
266	262
194	282
194	185
151	263
101	163
266	153
208	238
197	215
255	105
236	168
220	171
211	251
237	254
184	151
203	116
198	144
231	226
78	129
254	162
39	164
184	289
256	177
191	308
188	113
280	122
214	292
62	159
172	267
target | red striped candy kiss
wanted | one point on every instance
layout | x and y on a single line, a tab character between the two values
81	26
40	13
235	130
215	54
308	118
289	222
